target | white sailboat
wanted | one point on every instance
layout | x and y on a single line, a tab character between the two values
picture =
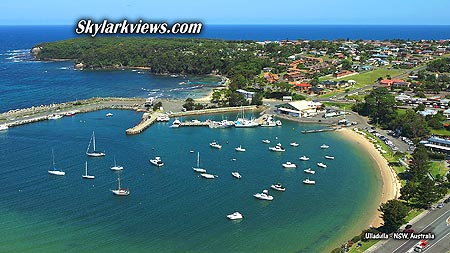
120	191
244	122
198	169
94	152
55	171
115	167
86	175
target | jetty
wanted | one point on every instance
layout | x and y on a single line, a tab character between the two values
318	130
147	120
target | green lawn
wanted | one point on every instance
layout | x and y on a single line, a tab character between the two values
342	106
364	247
413	213
441	132
438	168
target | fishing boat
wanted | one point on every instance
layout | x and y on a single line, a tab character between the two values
244	122
198	169
329	157
163	118
264	195
86	175
278	187
277	148
70	114
94	152
208	176
289	165
309	171
214	144
120	191
240	149
115	167
294	144
304	158
324	146
266	141
236	174
279	123
55	171
3	127
322	165
235	216
308	181
157	161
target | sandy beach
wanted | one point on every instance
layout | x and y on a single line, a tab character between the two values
391	184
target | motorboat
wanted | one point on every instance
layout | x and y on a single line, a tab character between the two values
269	124
208	176
324	146
289	165
266	141
240	149
236	174
120	191
308	181
55	116
278	122
109	115
309	171
304	158
235	216
157	161
329	157
278	187
294	144
322	165
70	114
3	127
214	144
94	152
176	123
277	148
264	195
162	118
221	124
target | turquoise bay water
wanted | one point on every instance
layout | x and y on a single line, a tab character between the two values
171	209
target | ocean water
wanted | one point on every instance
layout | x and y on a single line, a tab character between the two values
172	209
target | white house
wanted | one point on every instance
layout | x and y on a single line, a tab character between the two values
300	108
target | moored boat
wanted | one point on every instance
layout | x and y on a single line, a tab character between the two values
157	161
240	149
198	168
324	146
277	148
3	127
235	216
162	118
115	167
322	165
208	176
86	175
264	195
176	123
236	174
55	116
308	181
214	144
289	165
94	152
55	171
294	144
304	158
329	157
266	141
309	171
120	191
278	187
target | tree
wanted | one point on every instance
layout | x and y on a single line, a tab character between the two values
257	99
393	214
420	163
346	64
379	105
408	191
157	106
189	105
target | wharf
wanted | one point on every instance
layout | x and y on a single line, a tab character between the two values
147	120
217	110
318	130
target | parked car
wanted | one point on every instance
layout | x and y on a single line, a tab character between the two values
447	200
440	205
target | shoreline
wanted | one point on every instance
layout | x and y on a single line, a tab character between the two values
390	188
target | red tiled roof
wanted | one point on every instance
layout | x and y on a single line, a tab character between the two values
303	85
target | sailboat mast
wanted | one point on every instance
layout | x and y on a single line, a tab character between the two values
53	158
198	159
118	180
86	169
93	139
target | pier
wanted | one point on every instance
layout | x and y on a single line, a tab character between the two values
318	130
147	120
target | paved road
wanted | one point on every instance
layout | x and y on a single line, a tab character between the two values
434	222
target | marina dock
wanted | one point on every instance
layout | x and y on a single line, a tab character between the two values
318	130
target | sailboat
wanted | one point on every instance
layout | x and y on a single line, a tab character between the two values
86	175
94	152
55	171
115	167
120	191
244	122
198	169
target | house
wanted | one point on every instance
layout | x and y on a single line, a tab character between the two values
343	73
300	108
247	94
302	86
293	76
270	77
427	112
365	67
